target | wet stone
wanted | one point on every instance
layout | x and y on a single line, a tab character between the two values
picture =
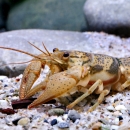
63	125
110	108
53	122
4	104
129	112
97	126
56	111
73	115
46	121
5	85
15	122
120	118
120	107
24	121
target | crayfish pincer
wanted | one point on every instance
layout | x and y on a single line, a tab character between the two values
72	71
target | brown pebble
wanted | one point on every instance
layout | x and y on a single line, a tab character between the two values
97	126
120	123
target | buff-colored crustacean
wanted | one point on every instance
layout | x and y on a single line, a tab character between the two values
72	71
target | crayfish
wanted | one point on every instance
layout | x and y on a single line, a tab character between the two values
72	71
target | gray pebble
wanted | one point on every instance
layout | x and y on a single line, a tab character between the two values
73	115
63	125
56	111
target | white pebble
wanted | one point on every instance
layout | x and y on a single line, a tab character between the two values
4	104
65	116
24	121
15	98
114	127
117	113
120	107
3	77
2	91
59	119
111	108
116	121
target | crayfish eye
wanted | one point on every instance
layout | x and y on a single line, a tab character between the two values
55	49
66	54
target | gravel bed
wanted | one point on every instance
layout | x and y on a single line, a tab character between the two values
112	114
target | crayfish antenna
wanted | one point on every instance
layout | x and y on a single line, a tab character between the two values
46	49
37	48
16	63
24	52
58	61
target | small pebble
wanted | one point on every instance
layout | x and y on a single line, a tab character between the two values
116	121
120	107
54	122
24	121
97	126
115	100
116	113
125	126
3	78
60	119
11	91
56	111
2	91
120	117
46	121
129	112
114	127
65	116
104	121
73	115
15	122
5	85
111	108
105	127
63	125
4	104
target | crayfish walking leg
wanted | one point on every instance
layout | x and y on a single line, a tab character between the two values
97	84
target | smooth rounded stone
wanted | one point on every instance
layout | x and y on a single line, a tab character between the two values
15	121
63	125
49	14
2	91
24	121
46	121
56	111
53	122
114	127
111	108
97	126
4	104
120	118
120	107
110	16
60	119
73	115
3	78
65	116
125	126
116	121
117	113
104	121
